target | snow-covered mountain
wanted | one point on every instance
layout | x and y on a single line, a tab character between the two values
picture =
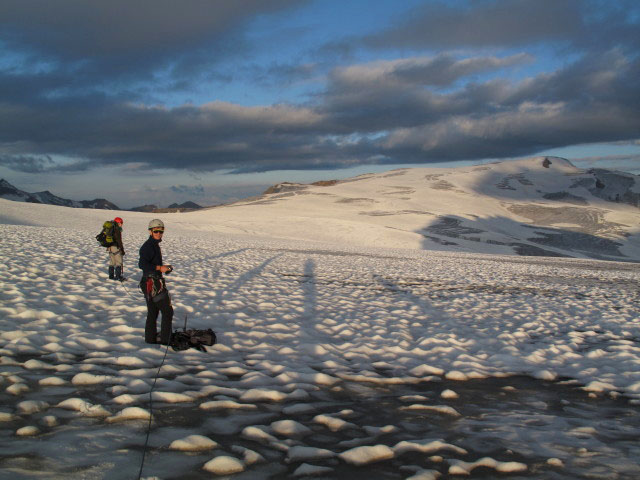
541	206
538	206
9	192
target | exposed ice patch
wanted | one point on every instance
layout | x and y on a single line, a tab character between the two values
303	454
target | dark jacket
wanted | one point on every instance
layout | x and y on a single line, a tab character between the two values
117	238
150	257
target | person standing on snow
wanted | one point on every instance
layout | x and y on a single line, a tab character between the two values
116	251
153	286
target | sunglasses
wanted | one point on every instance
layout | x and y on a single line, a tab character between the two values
157	231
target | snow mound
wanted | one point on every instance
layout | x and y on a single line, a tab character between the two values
129	413
426	446
444	409
367	454
32	406
224	465
262	395
28	431
52	381
290	428
7	417
459	467
226	405
84	407
89	379
193	443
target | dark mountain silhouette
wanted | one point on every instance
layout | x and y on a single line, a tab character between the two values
9	192
174	207
145	208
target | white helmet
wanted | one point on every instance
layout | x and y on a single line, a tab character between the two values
156	223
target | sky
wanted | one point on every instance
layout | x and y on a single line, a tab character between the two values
157	101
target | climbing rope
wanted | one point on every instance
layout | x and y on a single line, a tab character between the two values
127	290
146	442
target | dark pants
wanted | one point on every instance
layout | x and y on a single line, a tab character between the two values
150	328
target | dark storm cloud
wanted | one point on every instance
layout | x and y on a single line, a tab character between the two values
77	29
27	164
392	94
43	164
367	120
218	135
109	43
593	100
492	23
420	109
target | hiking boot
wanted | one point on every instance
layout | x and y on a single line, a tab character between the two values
112	275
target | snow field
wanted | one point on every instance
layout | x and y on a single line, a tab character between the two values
294	323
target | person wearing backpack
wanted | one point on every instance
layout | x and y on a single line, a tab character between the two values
115	248
153	286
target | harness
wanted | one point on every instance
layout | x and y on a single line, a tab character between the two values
153	287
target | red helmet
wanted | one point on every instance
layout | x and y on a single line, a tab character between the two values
118	220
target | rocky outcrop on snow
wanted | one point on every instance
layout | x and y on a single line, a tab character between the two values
614	186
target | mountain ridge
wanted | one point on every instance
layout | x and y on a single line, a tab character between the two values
10	192
537	206
541	206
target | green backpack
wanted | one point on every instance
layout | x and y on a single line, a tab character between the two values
105	237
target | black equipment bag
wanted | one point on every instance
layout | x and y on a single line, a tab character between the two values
192	338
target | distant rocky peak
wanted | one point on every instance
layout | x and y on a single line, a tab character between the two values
10	192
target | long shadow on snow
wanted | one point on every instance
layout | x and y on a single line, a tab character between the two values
229	254
436	315
310	295
246	277
582	188
539	239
